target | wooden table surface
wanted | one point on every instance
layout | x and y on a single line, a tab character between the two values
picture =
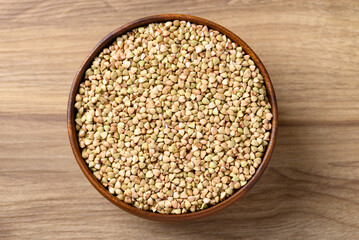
311	187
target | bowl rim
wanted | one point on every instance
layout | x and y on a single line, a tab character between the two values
106	41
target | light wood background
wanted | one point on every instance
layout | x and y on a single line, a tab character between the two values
311	187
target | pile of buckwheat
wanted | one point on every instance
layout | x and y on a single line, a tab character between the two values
173	117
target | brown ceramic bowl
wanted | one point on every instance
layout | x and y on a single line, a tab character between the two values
71	113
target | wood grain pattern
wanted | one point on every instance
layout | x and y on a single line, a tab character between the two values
310	189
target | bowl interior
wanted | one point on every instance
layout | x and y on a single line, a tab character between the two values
71	113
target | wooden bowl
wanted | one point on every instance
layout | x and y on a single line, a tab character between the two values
71	113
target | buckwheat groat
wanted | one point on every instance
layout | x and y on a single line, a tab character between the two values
173	117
